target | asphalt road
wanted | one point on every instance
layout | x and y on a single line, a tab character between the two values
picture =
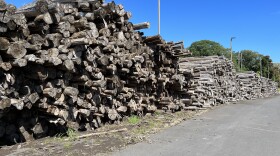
250	128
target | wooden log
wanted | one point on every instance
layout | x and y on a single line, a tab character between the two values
100	133
113	114
70	91
3	28
46	17
5	103
143	25
6	66
9	11
3	5
16	50
20	63
34	9
4	43
154	39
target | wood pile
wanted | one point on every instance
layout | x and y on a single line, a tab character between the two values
225	76
268	87
249	85
80	64
211	80
171	85
265	89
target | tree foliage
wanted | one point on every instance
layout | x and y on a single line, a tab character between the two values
207	48
250	60
259	63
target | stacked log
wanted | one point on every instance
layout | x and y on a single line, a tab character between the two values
252	86
80	64
249	85
211	80
268	87
272	88
225	76
171	85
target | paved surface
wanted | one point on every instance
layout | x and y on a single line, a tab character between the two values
250	128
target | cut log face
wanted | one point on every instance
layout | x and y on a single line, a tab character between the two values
139	26
16	50
4	43
70	91
5	103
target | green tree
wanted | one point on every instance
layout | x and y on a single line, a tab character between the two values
208	48
267	66
250	60
276	73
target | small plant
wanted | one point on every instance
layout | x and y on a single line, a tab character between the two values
59	137
134	120
71	133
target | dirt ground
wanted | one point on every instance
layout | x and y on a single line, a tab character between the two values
102	141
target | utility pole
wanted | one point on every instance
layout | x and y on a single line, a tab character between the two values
241	61
268	71
158	17
261	66
231	47
238	59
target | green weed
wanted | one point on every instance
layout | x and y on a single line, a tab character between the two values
133	120
71	133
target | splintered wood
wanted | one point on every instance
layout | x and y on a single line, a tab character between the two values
80	63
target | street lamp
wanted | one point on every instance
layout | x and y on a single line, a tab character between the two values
231	47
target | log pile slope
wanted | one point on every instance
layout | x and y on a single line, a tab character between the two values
80	64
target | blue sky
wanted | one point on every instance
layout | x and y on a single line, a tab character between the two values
254	23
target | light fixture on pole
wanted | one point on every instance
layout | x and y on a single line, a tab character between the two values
231	47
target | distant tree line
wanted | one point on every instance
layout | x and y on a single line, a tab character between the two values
244	60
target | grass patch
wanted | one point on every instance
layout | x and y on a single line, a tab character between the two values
140	130
59	137
71	133
133	120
